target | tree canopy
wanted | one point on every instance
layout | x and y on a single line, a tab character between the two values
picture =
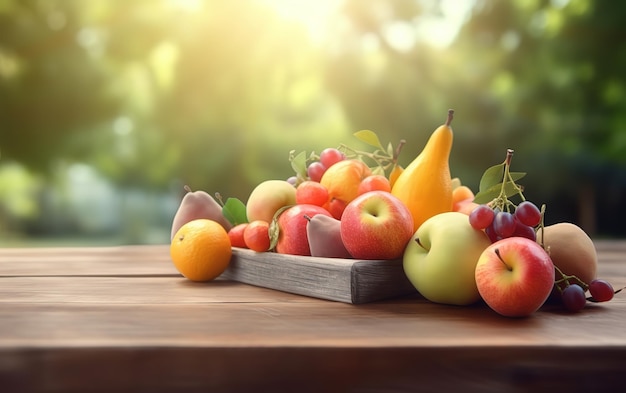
215	94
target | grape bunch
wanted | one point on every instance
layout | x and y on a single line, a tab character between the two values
328	157
316	166
500	224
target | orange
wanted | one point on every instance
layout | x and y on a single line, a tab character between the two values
374	183
463	200
201	250
461	193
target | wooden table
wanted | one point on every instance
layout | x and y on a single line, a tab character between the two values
122	319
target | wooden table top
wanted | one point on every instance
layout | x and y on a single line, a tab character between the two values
122	319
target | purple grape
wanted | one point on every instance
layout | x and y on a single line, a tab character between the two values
331	156
523	230
504	224
491	233
316	170
573	297
601	290
481	217
528	214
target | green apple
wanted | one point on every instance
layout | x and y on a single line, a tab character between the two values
440	260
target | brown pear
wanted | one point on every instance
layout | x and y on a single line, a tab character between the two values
571	250
195	205
324	234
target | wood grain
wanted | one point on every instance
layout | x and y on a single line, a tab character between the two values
122	319
343	280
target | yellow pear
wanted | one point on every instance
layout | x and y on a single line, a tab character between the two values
425	186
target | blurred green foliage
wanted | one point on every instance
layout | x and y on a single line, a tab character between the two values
214	94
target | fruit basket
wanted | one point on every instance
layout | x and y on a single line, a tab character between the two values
344	280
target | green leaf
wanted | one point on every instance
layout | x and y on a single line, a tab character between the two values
492	176
492	192
274	229
298	164
235	211
517	175
370	138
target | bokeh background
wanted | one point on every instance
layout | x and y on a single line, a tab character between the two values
107	108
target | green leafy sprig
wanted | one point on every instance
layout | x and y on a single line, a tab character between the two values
498	184
379	160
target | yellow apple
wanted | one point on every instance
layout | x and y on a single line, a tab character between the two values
267	197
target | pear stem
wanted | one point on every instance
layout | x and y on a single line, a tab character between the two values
218	196
450	117
497	251
396	153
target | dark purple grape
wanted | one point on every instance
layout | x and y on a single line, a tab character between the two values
601	290
523	230
504	224
528	213
573	297
491	233
481	217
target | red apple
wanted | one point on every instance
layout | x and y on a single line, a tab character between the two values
376	225
514	276
291	224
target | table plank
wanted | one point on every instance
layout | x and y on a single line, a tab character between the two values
133	290
405	323
153	260
122	319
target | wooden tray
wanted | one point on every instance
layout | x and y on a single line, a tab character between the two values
344	280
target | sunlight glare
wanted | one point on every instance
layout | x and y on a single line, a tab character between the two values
442	31
313	15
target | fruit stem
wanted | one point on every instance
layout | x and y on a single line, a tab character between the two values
417	240
381	157
450	117
308	218
501	201
396	152
497	251
565	279
509	155
218	196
